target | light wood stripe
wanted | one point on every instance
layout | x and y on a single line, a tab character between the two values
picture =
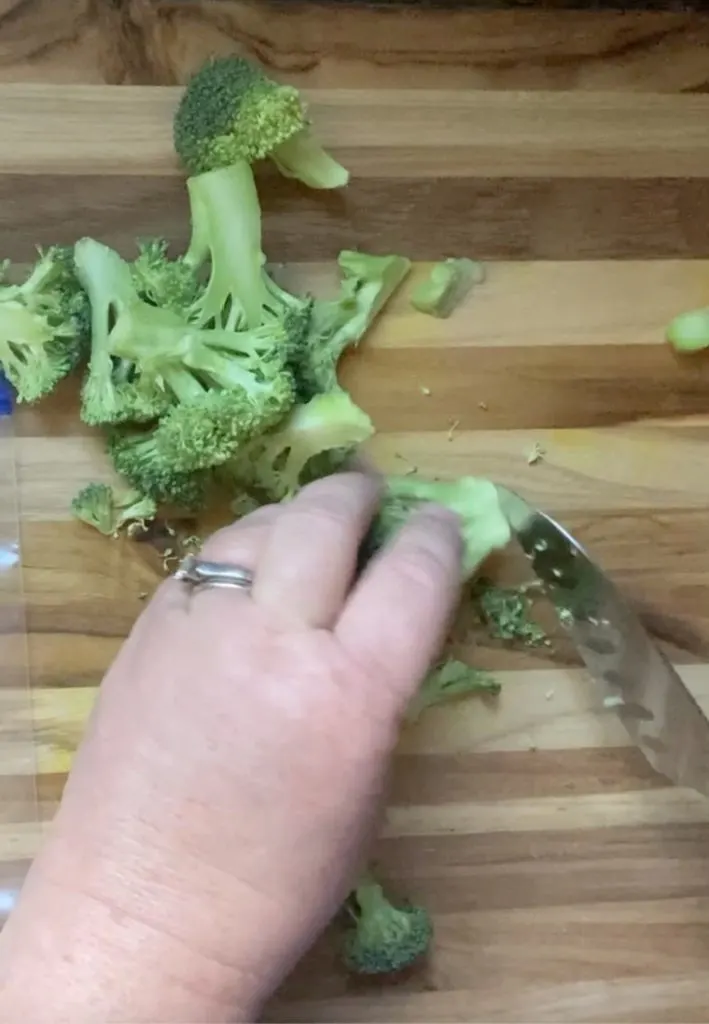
426	133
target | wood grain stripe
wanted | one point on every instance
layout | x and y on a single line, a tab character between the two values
485	134
504	218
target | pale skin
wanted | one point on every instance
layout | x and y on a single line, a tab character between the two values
231	776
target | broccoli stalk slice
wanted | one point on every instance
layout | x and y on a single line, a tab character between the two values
446	287
368	282
384	939
303	158
450	681
226	230
689	332
100	506
274	463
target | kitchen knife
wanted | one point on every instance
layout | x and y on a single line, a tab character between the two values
658	711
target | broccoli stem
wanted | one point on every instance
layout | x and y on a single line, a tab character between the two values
226	229
303	158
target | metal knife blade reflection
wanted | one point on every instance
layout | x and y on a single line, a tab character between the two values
658	711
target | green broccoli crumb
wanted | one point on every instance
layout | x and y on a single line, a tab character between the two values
506	611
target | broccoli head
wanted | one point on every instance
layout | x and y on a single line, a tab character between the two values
485	527
273	464
100	506
368	282
136	457
450	680
230	112
44	325
385	939
447	286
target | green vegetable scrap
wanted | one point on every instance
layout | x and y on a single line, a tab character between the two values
451	680
98	505
447	286
506	611
689	332
384	939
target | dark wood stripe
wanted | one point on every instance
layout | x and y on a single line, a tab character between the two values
438	779
500	219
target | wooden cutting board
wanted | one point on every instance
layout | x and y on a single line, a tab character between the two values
568	881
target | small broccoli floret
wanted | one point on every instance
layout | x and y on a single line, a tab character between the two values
689	332
385	939
43	325
114	390
231	111
484	526
135	456
447	286
273	463
450	680
100	506
368	282
165	282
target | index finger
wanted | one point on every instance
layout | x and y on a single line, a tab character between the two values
397	614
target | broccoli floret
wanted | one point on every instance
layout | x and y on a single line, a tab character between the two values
689	332
44	325
231	111
485	528
449	681
385	939
273	464
368	282
114	391
507	612
136	457
100	506
165	282
447	286
230	116
209	430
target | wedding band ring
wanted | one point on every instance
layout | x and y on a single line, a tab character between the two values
200	573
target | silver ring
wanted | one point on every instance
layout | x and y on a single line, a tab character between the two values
199	573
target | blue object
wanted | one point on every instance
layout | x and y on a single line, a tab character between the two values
6	397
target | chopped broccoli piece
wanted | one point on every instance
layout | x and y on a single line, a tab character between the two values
43	325
447	286
136	456
385	939
449	681
231	112
273	463
689	332
100	506
484	526
170	283
506	611
114	390
368	282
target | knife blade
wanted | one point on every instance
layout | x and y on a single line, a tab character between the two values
659	713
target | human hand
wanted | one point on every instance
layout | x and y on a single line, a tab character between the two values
231	774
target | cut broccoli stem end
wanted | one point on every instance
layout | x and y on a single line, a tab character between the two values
303	158
689	332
